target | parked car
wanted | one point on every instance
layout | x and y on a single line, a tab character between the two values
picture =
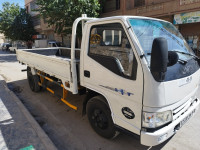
16	47
54	44
5	46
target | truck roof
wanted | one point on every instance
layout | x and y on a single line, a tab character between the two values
123	18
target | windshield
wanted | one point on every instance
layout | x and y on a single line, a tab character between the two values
147	30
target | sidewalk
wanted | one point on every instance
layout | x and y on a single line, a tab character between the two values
18	129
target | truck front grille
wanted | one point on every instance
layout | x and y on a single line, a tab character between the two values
183	108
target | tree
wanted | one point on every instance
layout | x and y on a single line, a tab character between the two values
22	27
7	16
61	13
15	23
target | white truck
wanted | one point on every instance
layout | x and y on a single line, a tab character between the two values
46	43
138	74
17	46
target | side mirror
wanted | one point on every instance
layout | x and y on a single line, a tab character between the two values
172	58
159	59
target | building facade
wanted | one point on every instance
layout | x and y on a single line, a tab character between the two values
184	14
40	25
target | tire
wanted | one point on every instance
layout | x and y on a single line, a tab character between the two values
33	81
100	119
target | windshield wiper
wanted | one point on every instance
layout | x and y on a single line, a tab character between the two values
187	54
182	61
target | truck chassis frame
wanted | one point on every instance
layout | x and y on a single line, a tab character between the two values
43	77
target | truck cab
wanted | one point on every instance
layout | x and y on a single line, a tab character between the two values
150	87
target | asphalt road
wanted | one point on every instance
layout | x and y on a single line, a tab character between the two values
69	130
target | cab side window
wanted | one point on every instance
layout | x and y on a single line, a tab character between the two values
110	47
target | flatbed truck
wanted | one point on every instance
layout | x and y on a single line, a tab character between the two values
138	74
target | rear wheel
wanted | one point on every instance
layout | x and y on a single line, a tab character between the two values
99	116
33	81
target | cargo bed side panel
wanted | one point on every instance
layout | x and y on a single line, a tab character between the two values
52	65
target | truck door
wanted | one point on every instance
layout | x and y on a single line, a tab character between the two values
112	68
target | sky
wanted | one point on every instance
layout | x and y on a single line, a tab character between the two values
20	2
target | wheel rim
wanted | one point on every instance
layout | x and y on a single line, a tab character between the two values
99	119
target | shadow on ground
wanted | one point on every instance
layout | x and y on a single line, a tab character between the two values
65	127
15	131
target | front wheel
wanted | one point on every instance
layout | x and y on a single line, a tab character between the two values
99	116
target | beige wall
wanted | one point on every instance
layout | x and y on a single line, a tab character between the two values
27	1
2	38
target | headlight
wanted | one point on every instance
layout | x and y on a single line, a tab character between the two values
153	120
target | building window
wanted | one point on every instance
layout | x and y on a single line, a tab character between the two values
150	2
50	36
117	4
138	3
45	20
36	20
33	5
111	5
129	4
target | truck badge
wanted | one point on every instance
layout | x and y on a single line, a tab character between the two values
128	113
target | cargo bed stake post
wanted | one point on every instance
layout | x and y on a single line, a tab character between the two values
83	22
73	44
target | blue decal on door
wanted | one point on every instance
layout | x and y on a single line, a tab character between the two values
121	91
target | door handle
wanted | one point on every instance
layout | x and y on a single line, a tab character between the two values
87	73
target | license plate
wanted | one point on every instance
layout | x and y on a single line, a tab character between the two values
187	118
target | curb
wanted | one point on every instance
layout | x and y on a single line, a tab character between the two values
48	144
2	81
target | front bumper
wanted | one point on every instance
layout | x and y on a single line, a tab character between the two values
161	135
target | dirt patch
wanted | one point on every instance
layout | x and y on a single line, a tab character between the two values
17	90
14	88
